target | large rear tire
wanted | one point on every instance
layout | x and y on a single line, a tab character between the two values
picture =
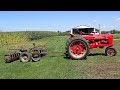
78	48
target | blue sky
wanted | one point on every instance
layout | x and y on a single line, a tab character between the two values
57	20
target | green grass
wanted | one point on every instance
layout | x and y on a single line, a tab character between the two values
55	66
116	36
51	66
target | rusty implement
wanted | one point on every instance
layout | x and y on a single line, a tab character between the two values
26	54
9	57
37	53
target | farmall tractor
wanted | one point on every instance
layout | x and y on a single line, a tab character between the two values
83	38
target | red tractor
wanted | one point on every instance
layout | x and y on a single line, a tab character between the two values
78	46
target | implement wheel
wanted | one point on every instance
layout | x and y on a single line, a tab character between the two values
25	57
35	57
78	48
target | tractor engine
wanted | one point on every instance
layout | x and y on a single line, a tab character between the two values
104	42
100	40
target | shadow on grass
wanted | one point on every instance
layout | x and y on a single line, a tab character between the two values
54	55
68	58
91	54
96	54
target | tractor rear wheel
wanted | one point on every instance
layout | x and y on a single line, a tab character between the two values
110	51
78	48
25	57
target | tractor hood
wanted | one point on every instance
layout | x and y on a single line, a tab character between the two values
99	36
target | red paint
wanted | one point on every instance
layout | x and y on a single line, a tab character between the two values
77	48
110	51
97	40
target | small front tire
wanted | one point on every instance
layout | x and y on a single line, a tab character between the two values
110	51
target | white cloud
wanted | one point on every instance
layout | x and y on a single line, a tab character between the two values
111	26
117	19
94	20
104	26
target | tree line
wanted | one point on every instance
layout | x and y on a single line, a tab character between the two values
111	31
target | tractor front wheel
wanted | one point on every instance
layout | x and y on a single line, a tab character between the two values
110	51
78	48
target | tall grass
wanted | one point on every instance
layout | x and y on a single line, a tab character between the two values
116	36
34	35
8	38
